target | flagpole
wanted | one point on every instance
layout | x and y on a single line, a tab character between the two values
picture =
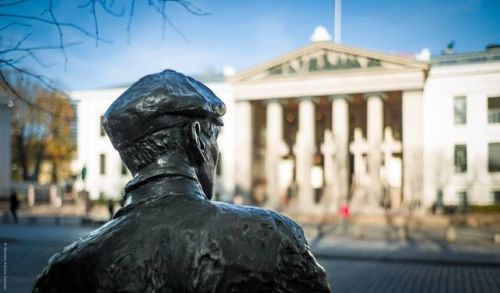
337	24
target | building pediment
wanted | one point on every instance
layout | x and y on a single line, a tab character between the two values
327	57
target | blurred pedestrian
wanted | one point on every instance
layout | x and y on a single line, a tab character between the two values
14	204
111	208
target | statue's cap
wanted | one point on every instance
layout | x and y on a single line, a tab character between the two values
158	101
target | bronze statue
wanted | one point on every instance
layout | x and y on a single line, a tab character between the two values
169	236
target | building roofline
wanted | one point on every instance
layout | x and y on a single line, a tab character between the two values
492	55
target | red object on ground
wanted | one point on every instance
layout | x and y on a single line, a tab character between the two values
344	211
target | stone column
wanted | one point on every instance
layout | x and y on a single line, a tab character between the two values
55	200
328	149
413	145
375	124
304	153
340	127
275	149
243	156
31	195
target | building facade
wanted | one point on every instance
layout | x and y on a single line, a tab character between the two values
329	123
5	146
462	129
104	173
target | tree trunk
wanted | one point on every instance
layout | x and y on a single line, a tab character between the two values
22	153
38	160
54	172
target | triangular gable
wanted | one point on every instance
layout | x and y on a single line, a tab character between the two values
327	57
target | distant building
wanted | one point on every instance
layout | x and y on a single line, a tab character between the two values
461	127
5	145
329	122
105	173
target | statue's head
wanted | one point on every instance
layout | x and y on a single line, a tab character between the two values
163	114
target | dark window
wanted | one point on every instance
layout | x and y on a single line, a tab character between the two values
494	157
103	133
494	110
460	158
102	164
460	110
124	169
462	199
496	197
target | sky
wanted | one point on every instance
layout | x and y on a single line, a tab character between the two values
239	33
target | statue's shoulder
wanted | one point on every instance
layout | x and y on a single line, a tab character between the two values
259	221
269	243
79	264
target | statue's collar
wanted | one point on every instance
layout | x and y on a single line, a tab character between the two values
165	168
166	165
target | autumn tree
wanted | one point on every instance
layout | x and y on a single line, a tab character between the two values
59	140
39	136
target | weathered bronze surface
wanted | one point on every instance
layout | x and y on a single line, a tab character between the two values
169	236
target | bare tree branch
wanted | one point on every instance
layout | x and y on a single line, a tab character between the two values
12	23
35	95
131	15
105	7
37	48
31	104
50	10
21	41
190	7
42	79
34	57
108	9
13	55
165	19
30	52
91	3
12	3
96	25
20	97
61	24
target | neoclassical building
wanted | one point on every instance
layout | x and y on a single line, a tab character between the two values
329	108
329	123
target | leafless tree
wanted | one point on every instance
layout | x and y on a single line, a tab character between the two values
42	113
16	50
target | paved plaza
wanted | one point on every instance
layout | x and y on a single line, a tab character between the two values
353	265
387	277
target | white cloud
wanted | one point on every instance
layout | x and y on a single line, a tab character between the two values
424	55
320	34
228	70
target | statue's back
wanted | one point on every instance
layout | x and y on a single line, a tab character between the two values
186	244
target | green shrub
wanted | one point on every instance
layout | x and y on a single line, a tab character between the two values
485	209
